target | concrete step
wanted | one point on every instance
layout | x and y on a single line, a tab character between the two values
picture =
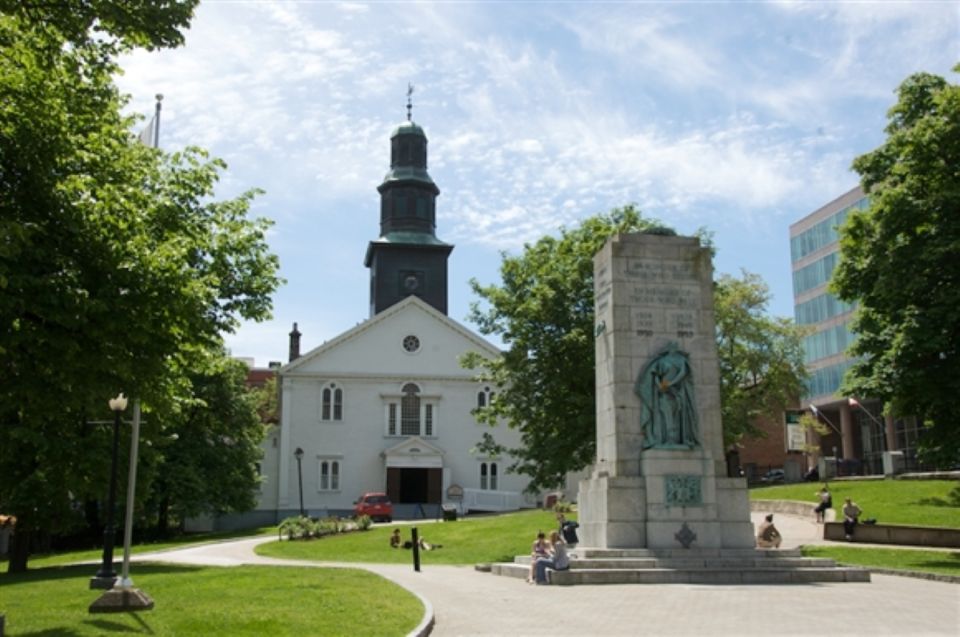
578	575
690	566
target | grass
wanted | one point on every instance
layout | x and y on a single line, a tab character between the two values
911	502
466	541
247	600
60	558
942	562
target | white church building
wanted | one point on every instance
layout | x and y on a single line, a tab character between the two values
386	406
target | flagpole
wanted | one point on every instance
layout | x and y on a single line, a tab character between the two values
156	122
853	402
820	414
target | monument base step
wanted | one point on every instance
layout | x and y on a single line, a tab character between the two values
690	566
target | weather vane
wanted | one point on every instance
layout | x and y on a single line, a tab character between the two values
409	102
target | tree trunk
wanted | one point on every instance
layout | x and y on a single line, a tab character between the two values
19	550
163	516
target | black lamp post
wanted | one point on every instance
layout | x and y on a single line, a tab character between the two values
298	454
106	574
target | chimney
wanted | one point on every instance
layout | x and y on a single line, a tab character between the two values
294	344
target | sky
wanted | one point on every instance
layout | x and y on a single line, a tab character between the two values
740	118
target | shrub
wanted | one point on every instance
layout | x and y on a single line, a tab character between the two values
364	522
562	507
297	528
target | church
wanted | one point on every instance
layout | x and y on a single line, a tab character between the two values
386	406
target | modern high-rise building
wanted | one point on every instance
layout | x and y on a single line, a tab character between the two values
859	432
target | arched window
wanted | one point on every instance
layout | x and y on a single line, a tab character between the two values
410	410
493	476
338	404
325	404
483	476
331	403
485	397
411	413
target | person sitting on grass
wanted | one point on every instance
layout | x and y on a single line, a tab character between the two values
395	540
768	537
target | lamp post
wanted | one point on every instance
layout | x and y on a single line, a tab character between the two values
298	454
106	576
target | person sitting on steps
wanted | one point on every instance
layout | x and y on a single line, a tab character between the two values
768	537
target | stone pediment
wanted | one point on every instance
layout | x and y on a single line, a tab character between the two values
413	452
379	344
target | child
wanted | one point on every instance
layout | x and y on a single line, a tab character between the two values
395	539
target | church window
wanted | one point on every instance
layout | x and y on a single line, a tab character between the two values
421	207
488	476
485	397
411	343
331	403
417	415
410	411
329	475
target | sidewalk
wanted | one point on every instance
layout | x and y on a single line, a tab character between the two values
468	602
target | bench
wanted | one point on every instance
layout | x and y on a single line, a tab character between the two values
895	534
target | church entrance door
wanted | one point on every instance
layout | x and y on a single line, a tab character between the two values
414	485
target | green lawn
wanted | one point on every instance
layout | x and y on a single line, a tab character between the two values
69	557
248	600
943	562
914	502
466	541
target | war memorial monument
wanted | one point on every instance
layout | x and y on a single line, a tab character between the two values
660	476
658	506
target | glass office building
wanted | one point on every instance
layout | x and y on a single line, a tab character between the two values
859	433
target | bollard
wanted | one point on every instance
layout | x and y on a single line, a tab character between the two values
416	549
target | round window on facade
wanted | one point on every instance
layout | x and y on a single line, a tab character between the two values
411	343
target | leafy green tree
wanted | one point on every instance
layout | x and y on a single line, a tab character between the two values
118	267
206	463
543	311
899	264
761	357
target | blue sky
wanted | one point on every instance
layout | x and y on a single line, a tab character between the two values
738	117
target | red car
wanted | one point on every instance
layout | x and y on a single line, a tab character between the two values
375	505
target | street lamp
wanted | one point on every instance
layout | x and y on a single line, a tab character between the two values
106	576
298	454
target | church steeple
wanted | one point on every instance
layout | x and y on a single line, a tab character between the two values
407	258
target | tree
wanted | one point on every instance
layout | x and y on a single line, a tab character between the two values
761	357
899	264
207	461
543	311
118	267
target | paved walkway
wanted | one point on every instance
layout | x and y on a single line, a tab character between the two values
468	602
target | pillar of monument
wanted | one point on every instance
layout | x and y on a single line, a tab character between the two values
659	480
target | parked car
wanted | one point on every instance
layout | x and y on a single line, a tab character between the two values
772	476
375	505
